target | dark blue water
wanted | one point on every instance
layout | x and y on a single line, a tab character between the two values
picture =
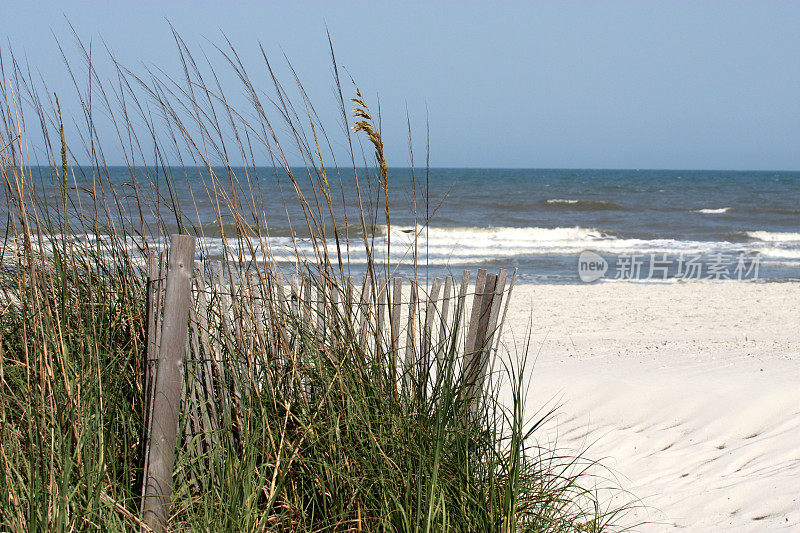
537	220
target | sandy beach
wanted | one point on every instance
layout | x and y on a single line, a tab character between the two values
687	391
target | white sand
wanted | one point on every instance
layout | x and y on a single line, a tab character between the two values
690	391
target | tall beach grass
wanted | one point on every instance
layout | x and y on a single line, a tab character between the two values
326	434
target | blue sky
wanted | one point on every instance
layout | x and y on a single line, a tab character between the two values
712	85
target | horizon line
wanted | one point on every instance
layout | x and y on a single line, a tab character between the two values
449	167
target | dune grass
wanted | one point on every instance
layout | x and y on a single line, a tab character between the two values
341	444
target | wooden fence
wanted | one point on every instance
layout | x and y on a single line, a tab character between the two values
213	332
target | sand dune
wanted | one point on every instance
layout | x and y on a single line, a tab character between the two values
690	391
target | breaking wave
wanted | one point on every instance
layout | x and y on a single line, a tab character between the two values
713	211
475	245
583	205
773	236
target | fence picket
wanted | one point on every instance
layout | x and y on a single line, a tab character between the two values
461	309
430	314
394	317
408	361
155	273
446	297
496	304
480	282
161	456
364	307
475	360
441	347
381	312
426	342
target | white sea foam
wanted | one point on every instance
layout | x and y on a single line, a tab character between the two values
473	245
562	201
779	253
586	204
471	236
774	236
713	211
478	244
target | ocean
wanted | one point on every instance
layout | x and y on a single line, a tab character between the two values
645	225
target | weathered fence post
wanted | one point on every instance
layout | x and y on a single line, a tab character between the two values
461	305
426	341
472	326
381	319
395	308
364	305
168	380
411	343
503	319
476	355
442	346
155	285
155	288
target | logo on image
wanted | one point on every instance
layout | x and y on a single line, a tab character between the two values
591	266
